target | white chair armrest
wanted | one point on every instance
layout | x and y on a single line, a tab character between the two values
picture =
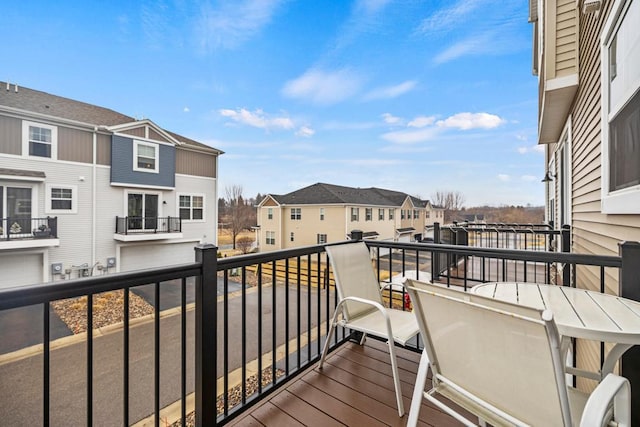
614	389
376	304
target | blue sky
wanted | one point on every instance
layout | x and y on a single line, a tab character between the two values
415	96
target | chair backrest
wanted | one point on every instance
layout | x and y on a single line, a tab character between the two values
354	276
507	356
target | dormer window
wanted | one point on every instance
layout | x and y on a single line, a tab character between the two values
39	140
145	157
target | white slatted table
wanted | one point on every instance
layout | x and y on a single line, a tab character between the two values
578	313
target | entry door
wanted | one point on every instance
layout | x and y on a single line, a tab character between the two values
142	211
15	207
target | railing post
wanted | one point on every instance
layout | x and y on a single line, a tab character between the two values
566	247
206	329
435	256
356	235
629	287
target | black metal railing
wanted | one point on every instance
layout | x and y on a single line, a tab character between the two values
258	320
14	228
148	224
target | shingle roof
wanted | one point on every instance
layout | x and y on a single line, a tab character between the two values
57	106
326	194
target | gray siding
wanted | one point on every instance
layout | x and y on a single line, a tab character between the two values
10	135
193	163
75	145
122	165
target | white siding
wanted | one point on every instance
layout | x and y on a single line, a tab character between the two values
141	256
20	269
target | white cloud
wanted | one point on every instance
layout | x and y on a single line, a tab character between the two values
391	119
324	87
305	132
371	6
538	148
449	17
503	177
411	136
474	45
186	109
528	178
257	119
389	92
231	23
421	121
466	121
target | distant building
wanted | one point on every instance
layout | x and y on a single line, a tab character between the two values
323	213
86	190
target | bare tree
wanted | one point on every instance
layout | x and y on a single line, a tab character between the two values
451	201
239	213
245	243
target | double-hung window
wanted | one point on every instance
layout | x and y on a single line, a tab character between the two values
296	214
269	213
391	211
39	140
321	214
271	237
191	207
61	198
322	239
368	214
620	73
380	214
355	214
145	156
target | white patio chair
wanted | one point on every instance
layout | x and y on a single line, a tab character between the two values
502	363
360	307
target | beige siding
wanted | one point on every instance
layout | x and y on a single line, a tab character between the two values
140	132
195	163
156	136
103	151
10	135
75	145
566	38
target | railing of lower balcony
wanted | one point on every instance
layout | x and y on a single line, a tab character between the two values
14	228
258	320
148	224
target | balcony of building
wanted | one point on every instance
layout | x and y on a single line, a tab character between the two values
237	340
22	232
138	228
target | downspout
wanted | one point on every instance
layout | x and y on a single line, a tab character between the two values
93	196
216	216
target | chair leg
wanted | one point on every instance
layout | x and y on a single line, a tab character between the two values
325	349
396	377
364	337
418	390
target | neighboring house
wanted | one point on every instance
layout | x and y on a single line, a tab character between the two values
86	190
587	58
323	213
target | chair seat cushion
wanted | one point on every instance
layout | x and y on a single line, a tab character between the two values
403	324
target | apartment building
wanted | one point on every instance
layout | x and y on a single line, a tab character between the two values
324	213
85	190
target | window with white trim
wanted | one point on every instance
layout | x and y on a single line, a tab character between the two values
391	211
380	214
61	198
271	238
355	214
321	214
293	236
322	239
39	140
620	70
146	156
269	213
296	214
368	214
191	207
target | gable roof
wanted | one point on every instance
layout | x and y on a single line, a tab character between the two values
35	101
327	194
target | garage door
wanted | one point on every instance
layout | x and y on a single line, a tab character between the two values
404	238
139	257
20	269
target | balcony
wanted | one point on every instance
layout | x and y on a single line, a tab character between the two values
137	228
27	233
237	339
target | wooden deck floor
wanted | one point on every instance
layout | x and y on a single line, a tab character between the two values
354	388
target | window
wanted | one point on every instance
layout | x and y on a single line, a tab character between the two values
39	140
355	214
401	213
427	214
191	207
368	214
142	211
322	239
270	213
620	72
145	156
16	203
321	214
416	214
292	236
296	213
271	237
61	198
380	214
391	212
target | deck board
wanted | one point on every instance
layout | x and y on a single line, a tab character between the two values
354	388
